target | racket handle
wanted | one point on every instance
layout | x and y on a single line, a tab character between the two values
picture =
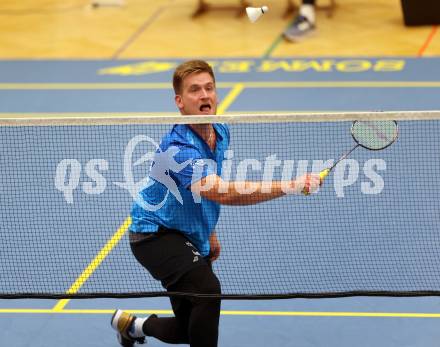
322	175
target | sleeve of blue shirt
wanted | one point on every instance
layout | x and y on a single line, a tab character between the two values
197	168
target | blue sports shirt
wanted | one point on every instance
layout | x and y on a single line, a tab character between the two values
182	158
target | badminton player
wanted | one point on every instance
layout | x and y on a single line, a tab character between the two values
176	240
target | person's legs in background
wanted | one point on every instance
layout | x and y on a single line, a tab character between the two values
304	23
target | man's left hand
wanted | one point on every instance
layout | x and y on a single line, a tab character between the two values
215	247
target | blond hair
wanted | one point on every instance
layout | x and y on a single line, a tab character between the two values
187	68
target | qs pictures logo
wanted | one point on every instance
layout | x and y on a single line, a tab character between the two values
142	168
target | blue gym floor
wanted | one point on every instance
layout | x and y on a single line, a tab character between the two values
72	88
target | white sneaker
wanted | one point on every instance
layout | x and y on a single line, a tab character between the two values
122	322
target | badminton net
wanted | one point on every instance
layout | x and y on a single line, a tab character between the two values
67	186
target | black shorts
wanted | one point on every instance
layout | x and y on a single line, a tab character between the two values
167	254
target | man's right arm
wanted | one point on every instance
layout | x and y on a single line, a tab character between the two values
213	188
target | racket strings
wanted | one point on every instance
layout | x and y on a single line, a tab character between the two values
375	135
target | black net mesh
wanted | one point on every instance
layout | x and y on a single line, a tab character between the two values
372	229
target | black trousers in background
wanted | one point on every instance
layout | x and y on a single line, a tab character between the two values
196	320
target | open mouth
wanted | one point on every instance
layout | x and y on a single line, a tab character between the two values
205	108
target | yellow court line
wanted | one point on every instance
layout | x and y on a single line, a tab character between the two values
248	84
230	98
84	86
232	313
61	304
342	84
88	271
